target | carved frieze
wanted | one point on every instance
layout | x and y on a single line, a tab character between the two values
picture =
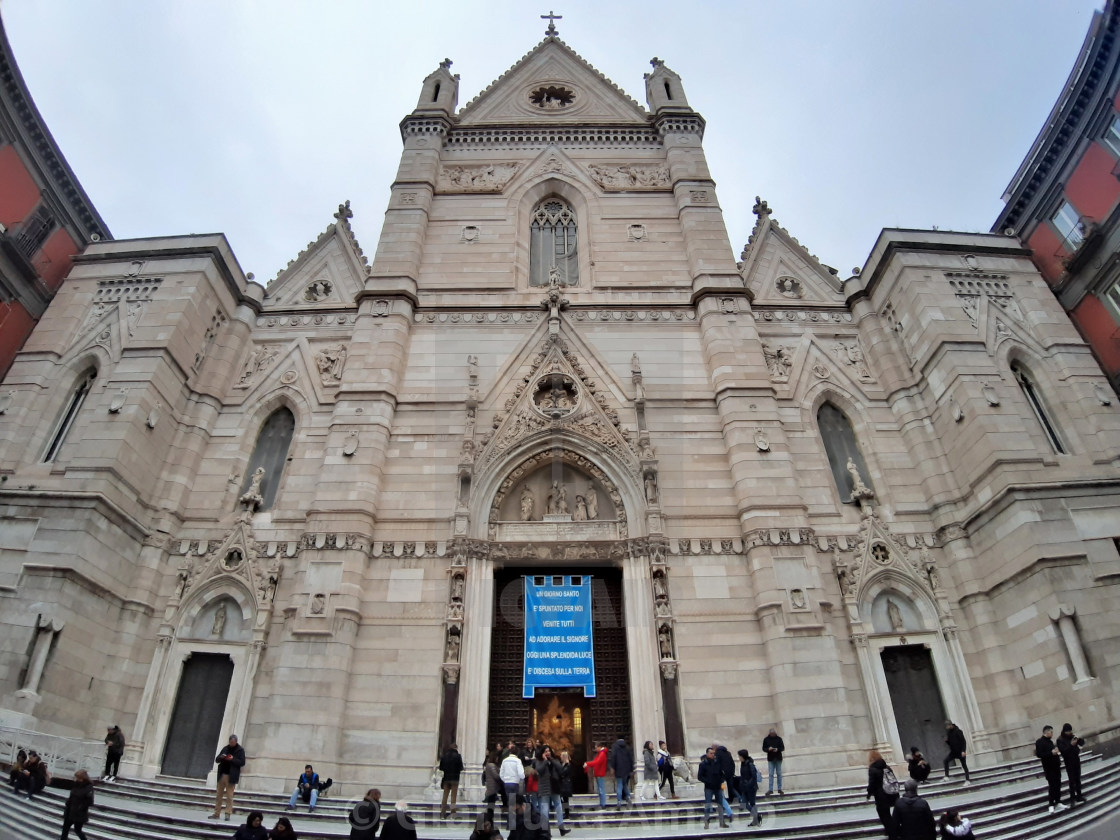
318	320
803	315
480	178
631	176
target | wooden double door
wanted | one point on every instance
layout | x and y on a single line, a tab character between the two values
565	719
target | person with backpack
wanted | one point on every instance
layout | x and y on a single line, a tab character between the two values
665	766
883	786
750	777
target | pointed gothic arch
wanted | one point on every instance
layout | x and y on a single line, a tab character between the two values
66	415
579	197
841	442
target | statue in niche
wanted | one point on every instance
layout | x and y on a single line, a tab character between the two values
528	502
665	642
894	615
219	626
592	499
562	500
457	588
452	647
651	489
318	603
580	513
858	487
797	598
662	609
790	287
846	586
660	591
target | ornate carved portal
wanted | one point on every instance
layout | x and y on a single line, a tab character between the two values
562	715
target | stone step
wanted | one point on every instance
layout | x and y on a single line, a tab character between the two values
1012	810
192	795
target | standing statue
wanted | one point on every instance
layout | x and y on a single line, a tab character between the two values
580	513
527	503
562	500
665	642
894	614
651	489
219	621
592	501
858	487
552	506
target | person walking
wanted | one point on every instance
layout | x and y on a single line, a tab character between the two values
953	825
665	766
230	761
495	789
365	817
650	773
512	774
76	812
773	746
954	738
727	767
711	777
566	779
451	765
750	777
883	787
621	762
114	741
399	825
598	768
1046	751
548	790
1069	746
913	819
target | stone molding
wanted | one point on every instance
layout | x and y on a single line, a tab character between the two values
811	315
127	288
540	137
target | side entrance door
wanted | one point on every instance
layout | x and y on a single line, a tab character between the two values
194	736
918	711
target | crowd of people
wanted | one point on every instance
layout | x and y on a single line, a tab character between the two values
532	784
907	816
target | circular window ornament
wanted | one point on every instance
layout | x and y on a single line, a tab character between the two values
552	97
556	395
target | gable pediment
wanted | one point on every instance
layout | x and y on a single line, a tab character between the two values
329	272
552	84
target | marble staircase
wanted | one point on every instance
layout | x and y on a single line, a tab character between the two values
1005	802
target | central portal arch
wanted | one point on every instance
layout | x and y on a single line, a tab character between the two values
558	506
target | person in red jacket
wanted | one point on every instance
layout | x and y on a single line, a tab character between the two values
598	766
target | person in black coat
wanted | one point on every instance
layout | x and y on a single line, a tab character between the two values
749	777
913	819
774	746
33	776
451	765
621	763
76	811
366	816
399	825
1070	747
230	761
1046	751
252	830
917	765
877	772
954	738
711	777
727	767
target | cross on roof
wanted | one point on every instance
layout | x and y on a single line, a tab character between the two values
551	18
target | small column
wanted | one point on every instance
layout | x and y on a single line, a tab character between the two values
45	630
1063	615
473	694
641	646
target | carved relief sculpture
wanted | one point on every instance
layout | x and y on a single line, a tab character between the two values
580	512
790	287
592	499
330	361
851	354
894	615
859	489
219	621
317	291
631	176
483	178
259	359
252	498
778	361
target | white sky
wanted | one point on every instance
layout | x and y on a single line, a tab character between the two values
257	118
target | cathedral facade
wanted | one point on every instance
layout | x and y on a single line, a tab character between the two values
846	509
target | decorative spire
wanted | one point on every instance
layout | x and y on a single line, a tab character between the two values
344	212
552	31
760	208
446	64
656	62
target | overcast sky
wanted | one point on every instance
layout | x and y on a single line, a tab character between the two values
257	118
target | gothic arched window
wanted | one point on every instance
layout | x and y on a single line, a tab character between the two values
69	415
840	445
1034	400
552	244
271	452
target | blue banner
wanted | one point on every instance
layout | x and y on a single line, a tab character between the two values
558	643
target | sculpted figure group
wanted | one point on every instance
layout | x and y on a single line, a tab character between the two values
586	505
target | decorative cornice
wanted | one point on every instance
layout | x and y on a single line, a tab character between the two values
539	137
17	109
